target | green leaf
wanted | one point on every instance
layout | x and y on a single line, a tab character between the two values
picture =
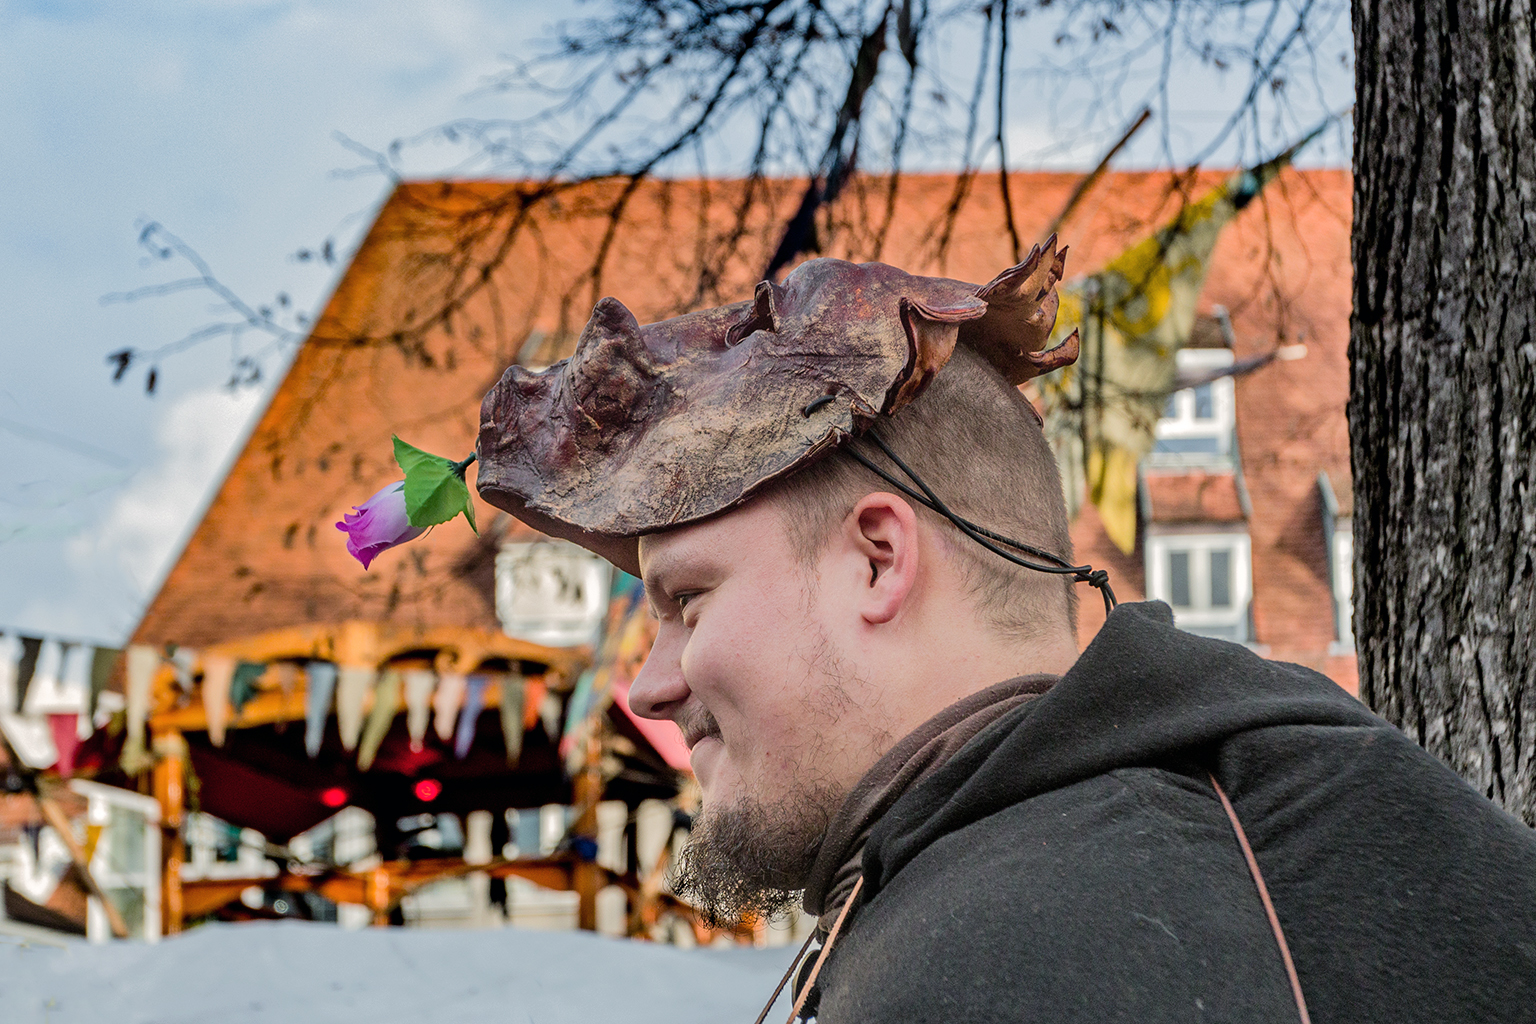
434	491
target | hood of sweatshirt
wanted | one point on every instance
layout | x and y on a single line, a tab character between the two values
1143	693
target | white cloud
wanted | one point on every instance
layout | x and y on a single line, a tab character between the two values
143	528
214	117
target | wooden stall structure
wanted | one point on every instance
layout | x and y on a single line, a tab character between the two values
238	746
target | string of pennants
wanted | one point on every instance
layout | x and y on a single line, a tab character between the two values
53	696
365	699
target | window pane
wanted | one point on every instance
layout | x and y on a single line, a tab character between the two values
1188	445
1216	632
1221	578
1178	579
125	841
1205	403
129	903
1171	410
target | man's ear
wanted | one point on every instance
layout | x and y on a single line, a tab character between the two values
883	528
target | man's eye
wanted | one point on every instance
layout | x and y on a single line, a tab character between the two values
683	598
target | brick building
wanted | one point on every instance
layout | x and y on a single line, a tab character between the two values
1244	505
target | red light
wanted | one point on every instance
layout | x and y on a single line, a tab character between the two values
428	790
334	797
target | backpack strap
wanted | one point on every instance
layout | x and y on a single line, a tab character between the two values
826	947
1269	907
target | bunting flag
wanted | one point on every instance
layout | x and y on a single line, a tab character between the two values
243	688
31	650
1131	318
142	662
319	688
218	674
31	738
75	680
66	741
58	683
184	661
576	709
419	683
445	704
512	696
285	679
353	682
550	713
534	692
469	715
8	648
287	675
386	704
103	661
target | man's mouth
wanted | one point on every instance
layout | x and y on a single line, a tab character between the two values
697	724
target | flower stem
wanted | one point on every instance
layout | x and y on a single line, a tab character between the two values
460	467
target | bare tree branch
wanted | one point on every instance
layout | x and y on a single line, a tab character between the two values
802	90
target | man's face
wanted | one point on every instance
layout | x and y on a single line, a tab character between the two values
749	661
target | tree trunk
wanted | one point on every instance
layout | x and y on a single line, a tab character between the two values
1442	407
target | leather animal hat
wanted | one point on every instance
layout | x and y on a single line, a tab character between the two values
647	428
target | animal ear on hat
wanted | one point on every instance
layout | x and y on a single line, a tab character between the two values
763	316
932	332
611	373
1021	311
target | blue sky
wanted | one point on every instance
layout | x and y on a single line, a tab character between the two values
215	118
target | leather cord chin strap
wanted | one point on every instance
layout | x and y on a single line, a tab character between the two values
1269	907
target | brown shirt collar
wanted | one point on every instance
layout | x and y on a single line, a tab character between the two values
914	757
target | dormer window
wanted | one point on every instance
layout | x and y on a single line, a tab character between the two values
1198	554
551	592
1205	577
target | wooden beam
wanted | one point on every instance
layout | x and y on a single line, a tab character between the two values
372	643
205	895
587	876
365	643
169	771
54	815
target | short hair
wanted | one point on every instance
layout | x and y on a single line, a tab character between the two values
974	440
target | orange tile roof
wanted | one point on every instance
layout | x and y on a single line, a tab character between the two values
1196	496
266	554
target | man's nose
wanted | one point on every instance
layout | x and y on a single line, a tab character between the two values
659	689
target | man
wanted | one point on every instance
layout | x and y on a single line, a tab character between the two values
851	531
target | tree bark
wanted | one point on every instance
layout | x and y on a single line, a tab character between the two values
1442	407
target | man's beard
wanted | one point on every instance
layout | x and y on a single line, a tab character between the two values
753	858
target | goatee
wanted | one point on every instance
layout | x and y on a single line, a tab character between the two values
753	858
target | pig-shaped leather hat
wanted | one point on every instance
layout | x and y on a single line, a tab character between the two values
645	428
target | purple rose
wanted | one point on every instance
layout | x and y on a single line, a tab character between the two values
378	525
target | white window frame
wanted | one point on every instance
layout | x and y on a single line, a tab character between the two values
1225	623
1339	536
551	592
1342	570
1183	426
100	802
